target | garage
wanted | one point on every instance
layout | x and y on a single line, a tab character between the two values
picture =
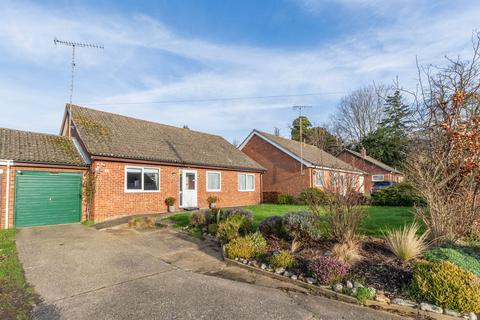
44	198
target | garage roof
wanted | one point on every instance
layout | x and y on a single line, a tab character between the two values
25	146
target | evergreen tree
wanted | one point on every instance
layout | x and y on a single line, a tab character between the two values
397	114
295	128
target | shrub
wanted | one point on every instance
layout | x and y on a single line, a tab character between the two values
312	196
283	259
258	242
302	228
401	194
142	223
233	227
405	243
270	197
246	247
241	212
273	227
285	199
328	270
363	294
213	229
170	201
446	285
457	257
347	252
197	219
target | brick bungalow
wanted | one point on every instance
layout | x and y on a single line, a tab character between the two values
376	170
290	172
138	163
41	176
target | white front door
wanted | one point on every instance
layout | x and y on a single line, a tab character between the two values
188	188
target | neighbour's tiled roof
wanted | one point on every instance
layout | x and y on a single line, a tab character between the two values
24	146
373	161
113	135
312	154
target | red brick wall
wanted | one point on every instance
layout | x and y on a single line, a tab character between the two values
111	200
283	171
3	194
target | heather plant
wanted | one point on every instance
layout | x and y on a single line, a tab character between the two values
272	227
283	259
197	219
458	257
405	243
258	242
302	228
328	270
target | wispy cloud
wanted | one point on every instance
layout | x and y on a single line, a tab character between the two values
144	60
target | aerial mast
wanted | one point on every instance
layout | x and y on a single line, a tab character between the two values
300	108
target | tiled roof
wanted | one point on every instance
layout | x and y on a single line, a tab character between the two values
113	135
311	154
24	146
374	161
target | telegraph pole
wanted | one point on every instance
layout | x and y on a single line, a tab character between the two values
75	45
300	108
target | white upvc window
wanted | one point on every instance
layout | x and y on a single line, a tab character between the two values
335	180
344	183
246	182
319	178
214	181
361	183
353	182
378	177
140	179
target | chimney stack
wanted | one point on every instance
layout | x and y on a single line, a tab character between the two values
364	152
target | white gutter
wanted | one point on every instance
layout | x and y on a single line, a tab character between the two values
7	163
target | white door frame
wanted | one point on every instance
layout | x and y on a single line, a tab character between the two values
185	193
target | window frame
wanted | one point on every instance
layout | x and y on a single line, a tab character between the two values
126	190
378	175
219	181
323	178
246	184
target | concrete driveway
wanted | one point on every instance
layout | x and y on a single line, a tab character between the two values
82	273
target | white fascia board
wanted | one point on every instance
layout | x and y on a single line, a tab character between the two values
255	133
339	170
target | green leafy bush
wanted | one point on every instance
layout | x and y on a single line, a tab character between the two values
285	199
213	229
272	227
401	194
363	294
446	285
283	259
246	247
270	197
197	219
312	195
233	227
302	228
457	257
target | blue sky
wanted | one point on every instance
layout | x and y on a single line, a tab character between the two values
186	54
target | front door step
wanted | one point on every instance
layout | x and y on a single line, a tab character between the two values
190	208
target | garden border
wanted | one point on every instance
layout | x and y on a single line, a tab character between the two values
323	291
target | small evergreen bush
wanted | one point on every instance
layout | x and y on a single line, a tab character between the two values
233	227
272	227
285	199
283	259
258	242
270	197
197	219
246	247
312	195
457	257
363	294
241	212
446	285
328	270
401	194
213	229
302	228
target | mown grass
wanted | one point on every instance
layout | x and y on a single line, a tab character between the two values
377	220
16	296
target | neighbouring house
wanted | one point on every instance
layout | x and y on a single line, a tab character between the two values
40	179
105	165
378	172
291	169
137	164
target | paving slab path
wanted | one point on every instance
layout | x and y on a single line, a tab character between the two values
83	273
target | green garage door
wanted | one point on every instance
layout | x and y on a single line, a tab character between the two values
43	198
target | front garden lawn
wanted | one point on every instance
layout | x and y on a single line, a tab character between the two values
378	219
16	297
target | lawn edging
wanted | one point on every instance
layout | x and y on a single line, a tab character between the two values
329	293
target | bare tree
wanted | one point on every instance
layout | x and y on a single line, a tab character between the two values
359	113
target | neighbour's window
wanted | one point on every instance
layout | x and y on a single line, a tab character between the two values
246	182
213	181
378	177
319	178
361	183
344	184
353	182
142	179
335	180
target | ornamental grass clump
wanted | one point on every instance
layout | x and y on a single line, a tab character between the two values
446	285
405	243
283	259
347	252
197	219
328	270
